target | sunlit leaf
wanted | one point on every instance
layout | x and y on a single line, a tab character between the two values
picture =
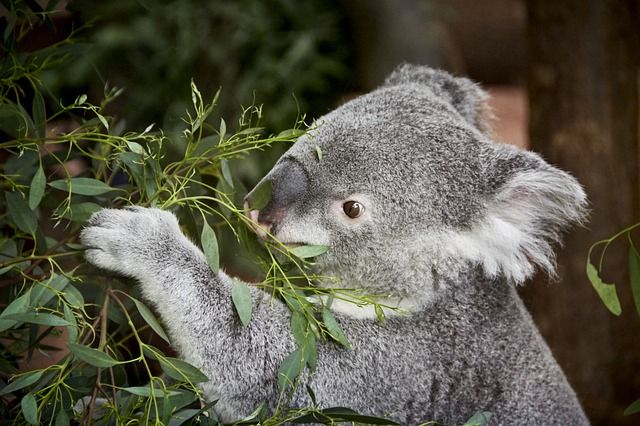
305	252
223	129
210	247
19	211
241	296
607	292
82	186
333	328
181	370
22	382
290	368
36	190
260	195
92	356
29	408
136	147
318	153
150	319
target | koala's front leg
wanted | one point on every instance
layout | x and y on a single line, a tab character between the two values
196	305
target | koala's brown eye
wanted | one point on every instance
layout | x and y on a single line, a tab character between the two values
353	209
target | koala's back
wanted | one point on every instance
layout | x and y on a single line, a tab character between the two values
449	363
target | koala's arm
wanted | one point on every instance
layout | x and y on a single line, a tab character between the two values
196	305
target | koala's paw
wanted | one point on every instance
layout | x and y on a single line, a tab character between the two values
132	240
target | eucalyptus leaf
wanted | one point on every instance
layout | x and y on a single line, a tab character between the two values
150	319
81	212
182	370
74	296
62	419
210	247
305	252
607	292
29	408
634	276
260	196
479	419
146	391
22	382
19	305
20	213
290	368
38	318
82	186
226	172
241	296
318	153
43	291
333	328
339	415
36	190
72	328
92	356
633	408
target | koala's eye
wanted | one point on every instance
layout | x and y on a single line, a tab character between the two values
353	209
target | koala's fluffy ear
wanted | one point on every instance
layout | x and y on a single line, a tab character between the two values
529	204
463	94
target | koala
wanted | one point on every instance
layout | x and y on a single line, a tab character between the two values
418	205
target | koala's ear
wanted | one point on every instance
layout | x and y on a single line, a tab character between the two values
463	94
529	204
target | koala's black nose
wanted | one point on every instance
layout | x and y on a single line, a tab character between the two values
289	183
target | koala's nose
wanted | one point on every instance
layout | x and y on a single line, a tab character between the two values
289	183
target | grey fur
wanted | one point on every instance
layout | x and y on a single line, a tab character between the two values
452	221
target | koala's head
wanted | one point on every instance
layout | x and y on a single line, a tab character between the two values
409	190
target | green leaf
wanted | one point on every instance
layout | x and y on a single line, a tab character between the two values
82	186
305	339
210	247
103	120
62	419
72	329
290	368
74	296
634	275
226	172
178	369
305	252
633	408
81	212
479	419
260	196
146	391
19	305
333	328
36	191
136	147
30	409
42	292
607	292
150	319
241	296
19	211
14	120
38	318
39	114
92	356
22	382
318	153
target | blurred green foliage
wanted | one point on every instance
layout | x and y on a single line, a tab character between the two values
259	52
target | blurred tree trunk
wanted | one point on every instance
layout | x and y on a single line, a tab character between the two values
583	83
